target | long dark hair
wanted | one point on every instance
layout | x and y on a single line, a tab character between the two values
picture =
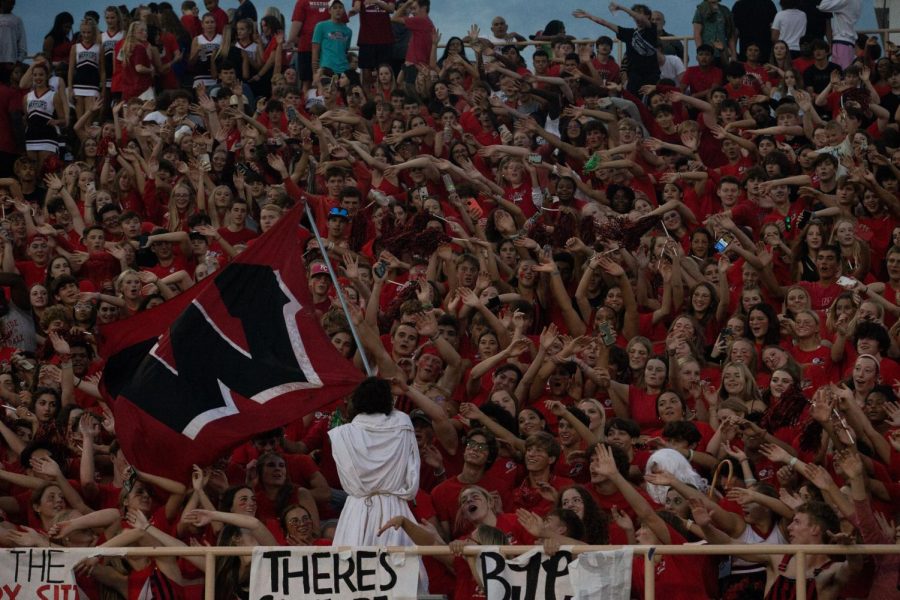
596	520
58	32
446	53
773	333
228	568
286	491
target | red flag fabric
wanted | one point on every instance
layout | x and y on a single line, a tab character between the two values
240	353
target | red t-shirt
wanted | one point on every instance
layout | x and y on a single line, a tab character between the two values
374	25
242	236
677	576
607	502
419	49
310	13
528	497
134	83
821	297
643	408
192	24
696	79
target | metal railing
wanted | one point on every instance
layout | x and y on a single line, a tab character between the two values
801	552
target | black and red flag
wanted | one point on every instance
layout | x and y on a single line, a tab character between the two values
240	353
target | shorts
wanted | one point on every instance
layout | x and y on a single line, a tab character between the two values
304	66
372	56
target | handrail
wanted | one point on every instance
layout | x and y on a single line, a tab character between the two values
801	551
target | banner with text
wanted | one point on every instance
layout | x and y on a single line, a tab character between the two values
40	573
595	575
332	574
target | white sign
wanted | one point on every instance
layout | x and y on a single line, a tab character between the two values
595	575
332	574
39	573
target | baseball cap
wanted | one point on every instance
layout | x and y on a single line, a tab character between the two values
340	213
181	132
318	268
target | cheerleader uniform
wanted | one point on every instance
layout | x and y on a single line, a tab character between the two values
40	136
249	49
87	70
109	48
203	68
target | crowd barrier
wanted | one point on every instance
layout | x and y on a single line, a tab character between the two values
800	551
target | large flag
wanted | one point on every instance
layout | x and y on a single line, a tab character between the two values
240	353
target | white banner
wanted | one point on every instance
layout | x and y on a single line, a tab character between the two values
595	575
39	573
332	574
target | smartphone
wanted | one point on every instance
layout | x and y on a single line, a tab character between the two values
503	129
448	183
606	334
473	205
721	245
380	269
291	112
241	168
535	159
205	163
787	223
91	187
803	219
847	282
727	332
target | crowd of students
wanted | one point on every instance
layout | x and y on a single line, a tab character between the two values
624	303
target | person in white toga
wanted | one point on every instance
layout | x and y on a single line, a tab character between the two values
377	460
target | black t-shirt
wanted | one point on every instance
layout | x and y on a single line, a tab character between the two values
816	20
753	20
244	11
890	102
817	78
640	49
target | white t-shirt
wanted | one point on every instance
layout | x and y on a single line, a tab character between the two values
844	16
791	26
672	68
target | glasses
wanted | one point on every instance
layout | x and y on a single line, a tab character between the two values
275	465
479	446
297	521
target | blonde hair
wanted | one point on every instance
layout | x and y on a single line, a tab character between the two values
130	41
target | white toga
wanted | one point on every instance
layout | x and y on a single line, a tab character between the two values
377	460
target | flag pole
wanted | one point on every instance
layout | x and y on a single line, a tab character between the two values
337	287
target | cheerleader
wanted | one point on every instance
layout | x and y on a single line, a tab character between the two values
115	31
87	71
45	109
203	48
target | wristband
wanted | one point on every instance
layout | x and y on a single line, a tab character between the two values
148	526
690	455
793	462
441	473
750	481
